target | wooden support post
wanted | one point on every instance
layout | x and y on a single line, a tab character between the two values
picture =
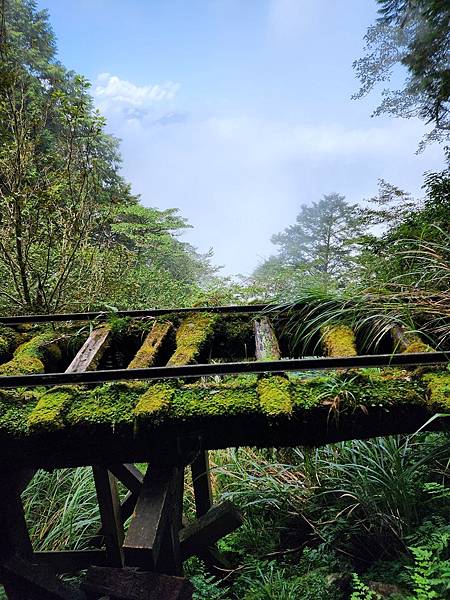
266	343
208	529
109	504
129	584
129	475
152	540
201	482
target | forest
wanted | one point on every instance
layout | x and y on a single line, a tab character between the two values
363	519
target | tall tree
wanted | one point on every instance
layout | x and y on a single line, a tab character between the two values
71	233
323	239
415	34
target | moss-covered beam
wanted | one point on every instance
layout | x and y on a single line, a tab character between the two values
338	340
192	335
33	356
148	352
408	341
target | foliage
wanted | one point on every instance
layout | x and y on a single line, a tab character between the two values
361	591
415	34
322	239
72	236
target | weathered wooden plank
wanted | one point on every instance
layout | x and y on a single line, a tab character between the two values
129	584
407	341
90	354
152	345
68	561
151	541
266	343
31	582
201	481
109	504
219	521
129	475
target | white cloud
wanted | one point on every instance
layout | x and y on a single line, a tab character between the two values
112	93
239	178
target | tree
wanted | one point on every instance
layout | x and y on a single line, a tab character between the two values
415	34
72	235
324	238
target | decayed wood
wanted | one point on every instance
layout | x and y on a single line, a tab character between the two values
68	561
201	482
129	475
152	538
266	343
403	339
129	584
109	504
90	354
31	582
148	352
219	521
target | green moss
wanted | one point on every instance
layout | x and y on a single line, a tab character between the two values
30	357
417	346
49	411
191	336
196	400
15	407
111	403
147	353
338	340
275	396
156	400
438	389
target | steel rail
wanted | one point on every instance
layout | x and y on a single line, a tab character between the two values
150	312
233	368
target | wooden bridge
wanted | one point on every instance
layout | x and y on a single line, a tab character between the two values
164	387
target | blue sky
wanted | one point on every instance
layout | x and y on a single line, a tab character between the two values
238	111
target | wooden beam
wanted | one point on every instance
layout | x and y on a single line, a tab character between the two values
129	475
201	481
91	352
109	504
205	531
69	561
14	538
31	582
266	343
129	584
152	540
152	345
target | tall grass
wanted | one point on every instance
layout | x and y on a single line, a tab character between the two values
61	509
418	299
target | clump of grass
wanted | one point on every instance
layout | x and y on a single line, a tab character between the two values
61	509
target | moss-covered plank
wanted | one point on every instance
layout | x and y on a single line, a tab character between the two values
33	356
146	355
408	341
338	340
192	335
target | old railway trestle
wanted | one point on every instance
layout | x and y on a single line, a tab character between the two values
163	387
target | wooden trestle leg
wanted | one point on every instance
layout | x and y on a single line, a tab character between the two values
22	579
152	541
109	505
